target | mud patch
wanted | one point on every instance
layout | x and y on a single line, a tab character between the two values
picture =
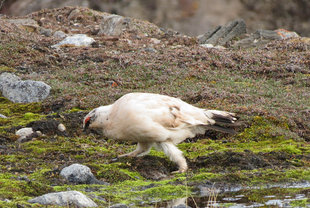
49	126
246	160
152	167
74	122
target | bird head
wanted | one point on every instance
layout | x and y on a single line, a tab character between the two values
96	118
89	118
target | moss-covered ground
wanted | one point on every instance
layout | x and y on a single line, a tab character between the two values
267	87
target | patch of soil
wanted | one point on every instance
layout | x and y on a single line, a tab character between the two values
49	126
151	167
72	121
246	160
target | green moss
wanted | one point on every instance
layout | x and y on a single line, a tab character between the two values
135	191
115	172
267	129
129	191
300	203
11	188
32	116
18	114
6	69
204	176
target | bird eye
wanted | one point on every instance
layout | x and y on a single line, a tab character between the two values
87	122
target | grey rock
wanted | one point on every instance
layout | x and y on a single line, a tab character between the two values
221	35
66	198
7	78
25	22
150	50
181	206
285	34
75	40
258	38
266	34
119	206
114	25
19	91
60	34
74	14
46	32
2	116
79	174
24	134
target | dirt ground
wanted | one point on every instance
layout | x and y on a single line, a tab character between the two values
268	88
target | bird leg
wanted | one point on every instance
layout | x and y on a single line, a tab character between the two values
174	155
142	149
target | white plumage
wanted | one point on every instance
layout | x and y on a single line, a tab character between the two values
156	120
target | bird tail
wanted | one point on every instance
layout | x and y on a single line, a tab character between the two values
223	120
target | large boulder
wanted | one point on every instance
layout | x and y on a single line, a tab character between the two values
114	25
65	198
221	35
18	91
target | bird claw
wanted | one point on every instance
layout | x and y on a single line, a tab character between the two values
178	171
115	159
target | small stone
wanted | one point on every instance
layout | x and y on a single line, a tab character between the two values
212	46
75	40
74	14
61	127
285	34
60	34
79	174
150	50
181	206
65	198
119	206
2	116
24	134
39	133
46	32
155	41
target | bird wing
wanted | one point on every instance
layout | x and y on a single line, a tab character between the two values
170	112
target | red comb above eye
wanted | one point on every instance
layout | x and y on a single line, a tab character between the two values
87	119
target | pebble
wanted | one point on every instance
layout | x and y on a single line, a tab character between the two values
155	41
59	34
61	127
46	32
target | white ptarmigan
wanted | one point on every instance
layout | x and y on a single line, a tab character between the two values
156	120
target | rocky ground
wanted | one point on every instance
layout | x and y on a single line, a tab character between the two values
266	84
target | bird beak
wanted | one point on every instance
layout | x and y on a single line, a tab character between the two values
86	124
